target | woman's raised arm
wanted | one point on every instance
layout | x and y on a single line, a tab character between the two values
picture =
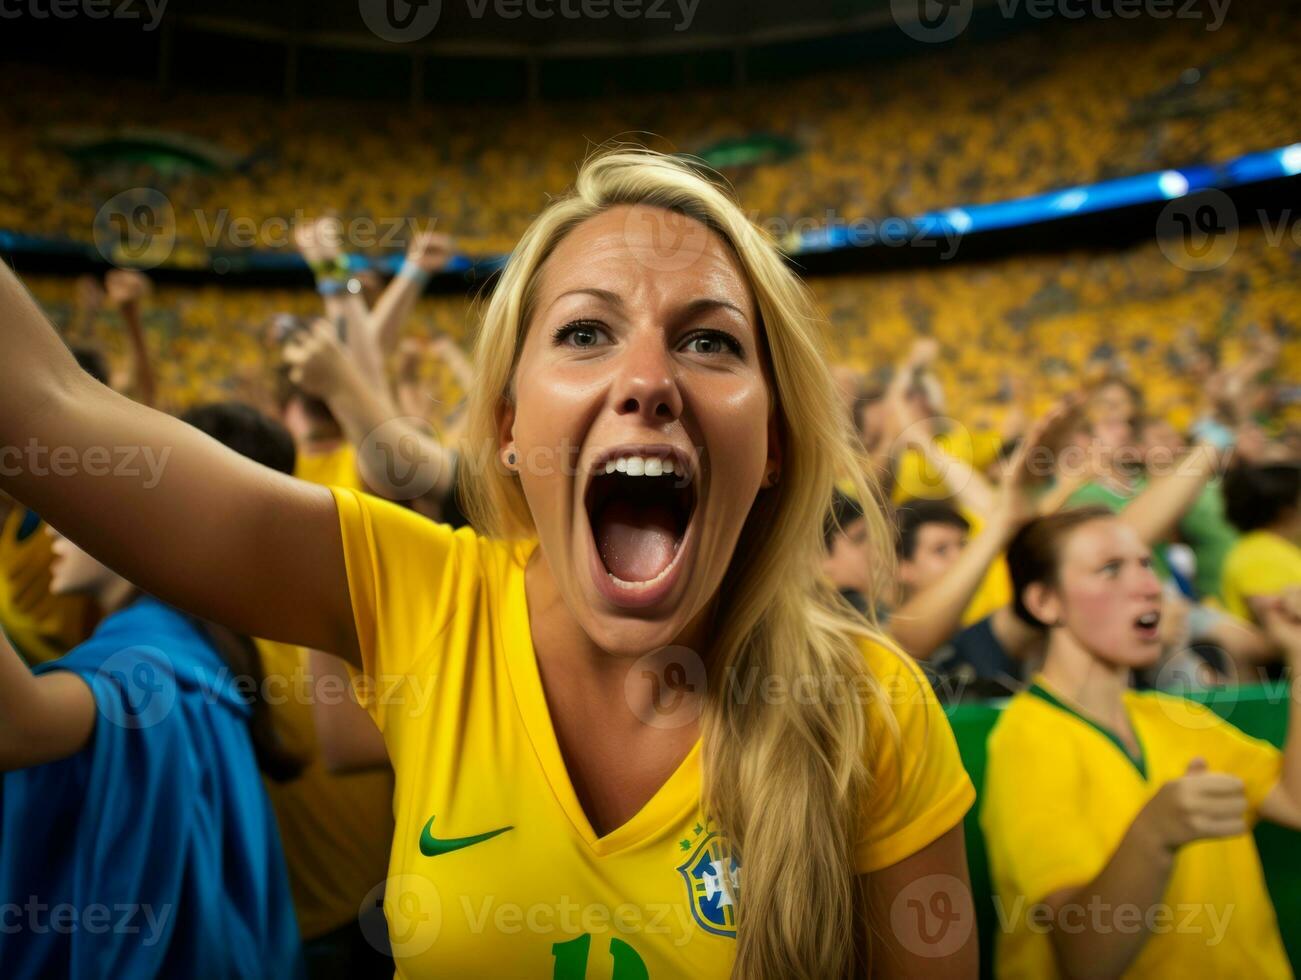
168	507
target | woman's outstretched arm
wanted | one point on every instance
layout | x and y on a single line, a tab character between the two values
168	507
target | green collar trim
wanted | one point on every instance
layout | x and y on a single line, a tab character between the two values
1139	762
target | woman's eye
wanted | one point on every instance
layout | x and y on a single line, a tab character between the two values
579	334
712	342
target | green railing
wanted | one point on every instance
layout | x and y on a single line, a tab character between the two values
1259	710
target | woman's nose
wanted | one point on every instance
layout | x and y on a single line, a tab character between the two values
647	385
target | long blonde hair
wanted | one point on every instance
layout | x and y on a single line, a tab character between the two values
785	781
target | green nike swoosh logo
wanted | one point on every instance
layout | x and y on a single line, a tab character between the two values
431	846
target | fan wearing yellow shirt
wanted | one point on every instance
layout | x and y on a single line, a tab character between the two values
932	536
41	625
336	827
1264	503
943	577
634	733
917	478
324	456
332	467
1118	823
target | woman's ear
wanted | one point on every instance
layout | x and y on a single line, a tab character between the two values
772	468
506	431
1042	603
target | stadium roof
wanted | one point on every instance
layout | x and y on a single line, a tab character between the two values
518	28
472	51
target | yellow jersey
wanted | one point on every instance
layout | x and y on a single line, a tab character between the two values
495	870
336	468
1261	563
1061	792
916	478
336	828
40	625
995	589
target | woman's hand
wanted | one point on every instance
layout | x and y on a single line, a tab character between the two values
126	287
319	240
1016	503
317	361
1199	805
430	251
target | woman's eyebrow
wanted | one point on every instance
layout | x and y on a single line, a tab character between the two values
704	304
604	295
707	304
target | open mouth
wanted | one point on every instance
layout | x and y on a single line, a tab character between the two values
1148	625
640	505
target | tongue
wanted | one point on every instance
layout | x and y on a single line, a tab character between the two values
636	541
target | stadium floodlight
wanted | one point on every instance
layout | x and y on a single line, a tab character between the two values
1173	183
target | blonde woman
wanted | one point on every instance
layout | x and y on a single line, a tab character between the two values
634	734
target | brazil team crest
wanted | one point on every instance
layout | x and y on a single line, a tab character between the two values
713	878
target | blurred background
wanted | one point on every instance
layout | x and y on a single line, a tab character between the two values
1053	189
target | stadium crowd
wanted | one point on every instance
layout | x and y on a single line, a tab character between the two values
967	456
1066	484
1175	93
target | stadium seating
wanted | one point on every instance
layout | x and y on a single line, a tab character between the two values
1045	319
1174	93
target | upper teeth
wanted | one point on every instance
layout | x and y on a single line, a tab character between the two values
1148	619
639	465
